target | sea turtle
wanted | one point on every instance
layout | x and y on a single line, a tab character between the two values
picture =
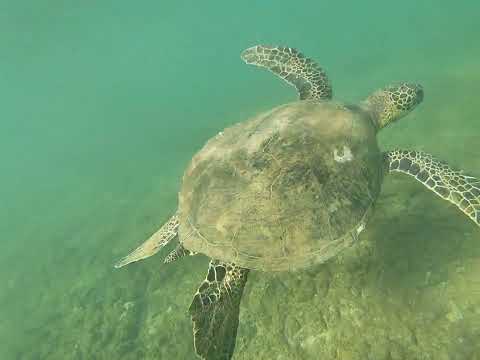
288	189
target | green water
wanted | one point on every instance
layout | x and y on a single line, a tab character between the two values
104	103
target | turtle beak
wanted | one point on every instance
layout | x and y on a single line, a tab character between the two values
418	93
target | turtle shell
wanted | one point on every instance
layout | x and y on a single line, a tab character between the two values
284	190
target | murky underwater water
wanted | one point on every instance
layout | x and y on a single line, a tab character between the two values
103	105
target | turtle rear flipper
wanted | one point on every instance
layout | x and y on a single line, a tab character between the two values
178	253
305	74
449	184
162	237
215	310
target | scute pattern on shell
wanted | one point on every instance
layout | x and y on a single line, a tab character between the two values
269	194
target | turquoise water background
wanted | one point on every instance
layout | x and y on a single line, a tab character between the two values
104	103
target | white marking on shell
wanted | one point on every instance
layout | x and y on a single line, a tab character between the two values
345	156
360	228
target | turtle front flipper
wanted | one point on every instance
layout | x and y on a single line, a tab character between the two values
449	184
215	310
306	75
150	247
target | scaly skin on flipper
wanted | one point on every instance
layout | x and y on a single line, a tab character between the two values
393	102
150	247
449	184
177	253
306	75
215	311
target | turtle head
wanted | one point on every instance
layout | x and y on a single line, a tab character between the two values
393	102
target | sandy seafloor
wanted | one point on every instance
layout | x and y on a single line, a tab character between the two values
93	153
